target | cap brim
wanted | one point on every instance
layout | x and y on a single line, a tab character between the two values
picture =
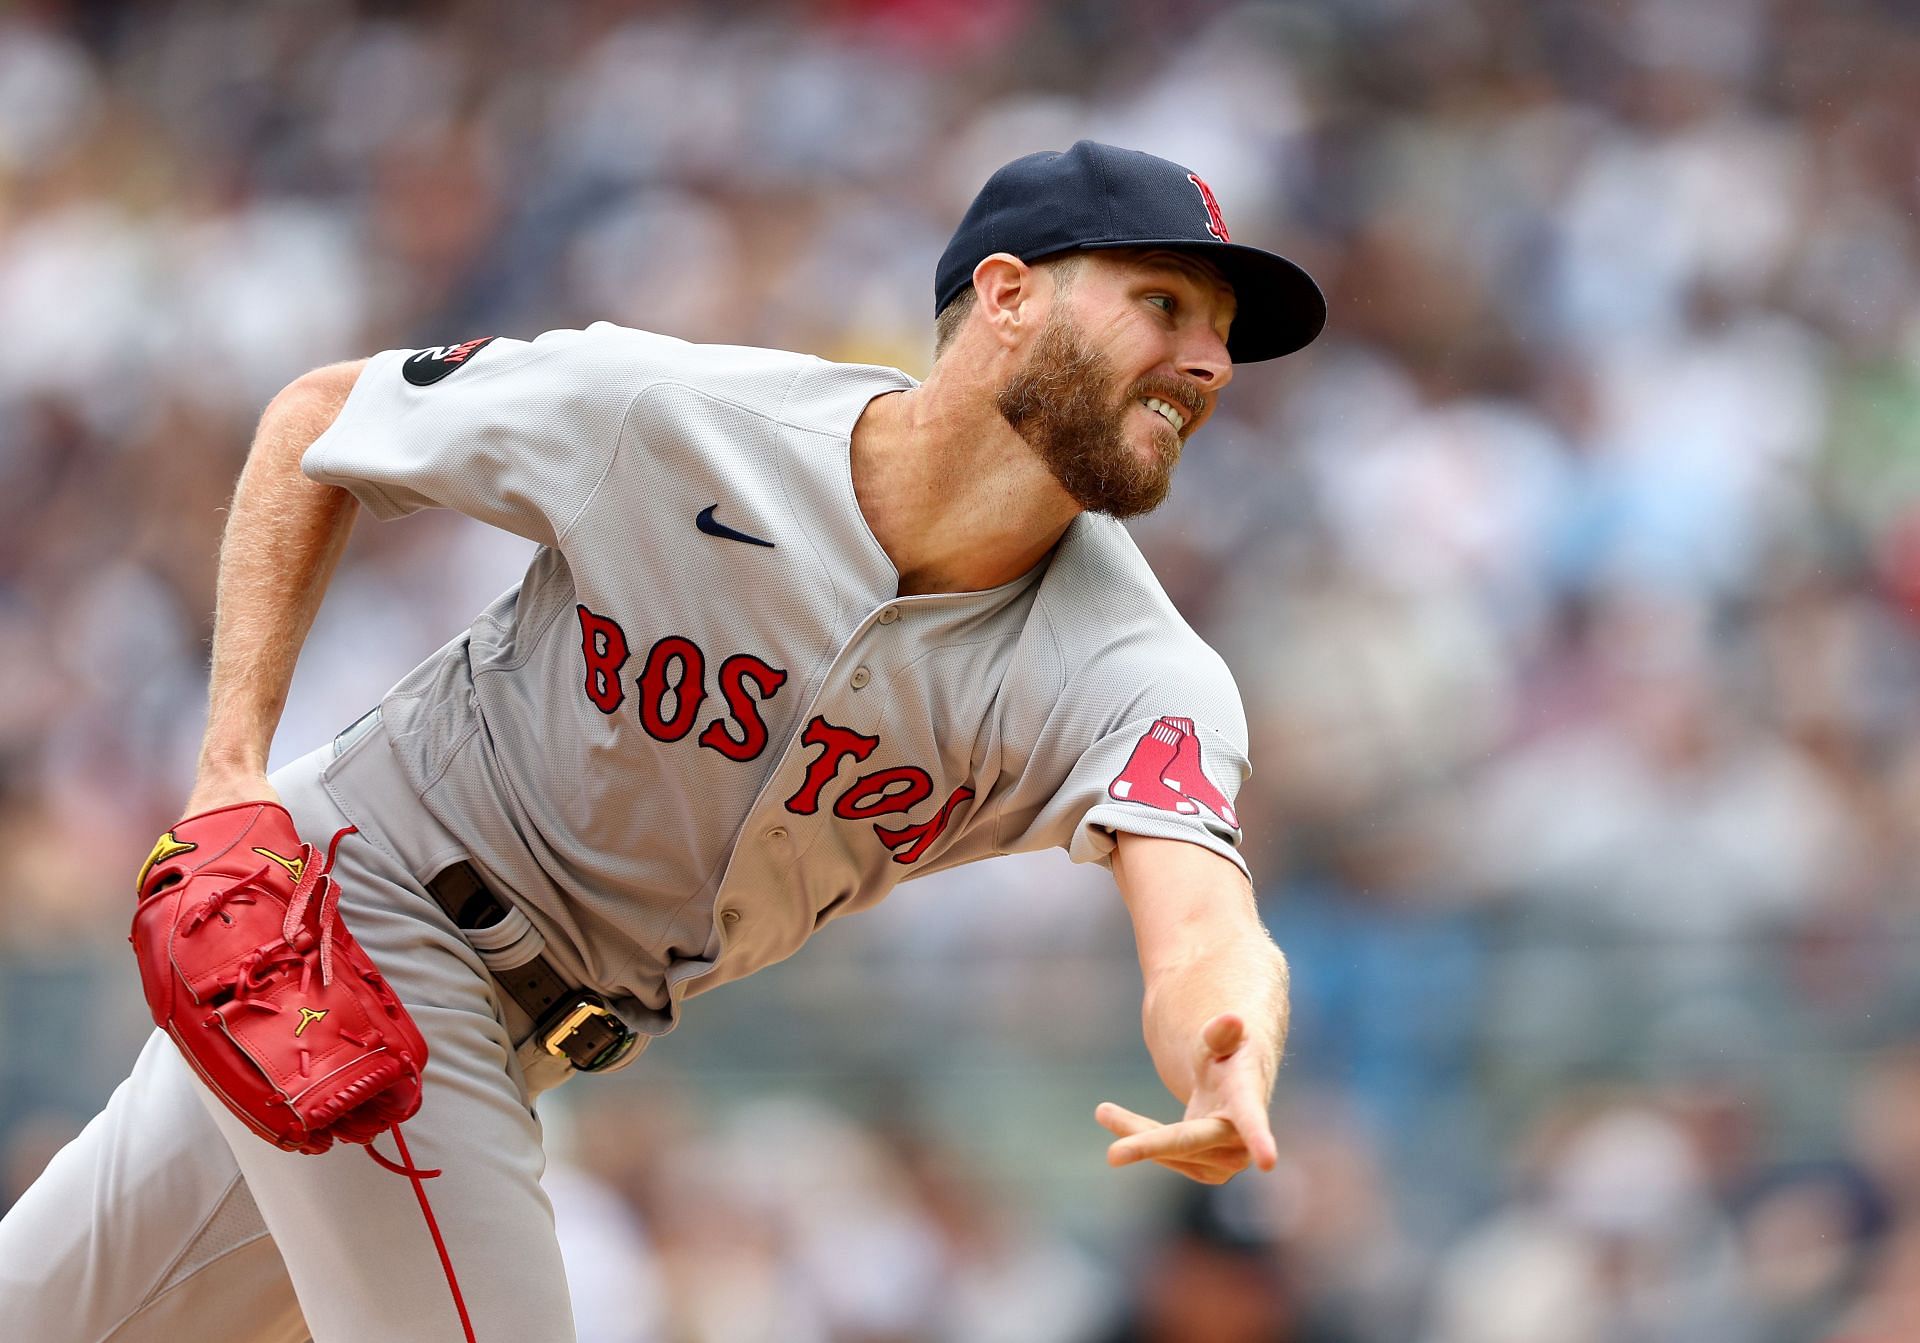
1279	309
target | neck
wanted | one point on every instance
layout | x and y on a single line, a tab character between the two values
958	500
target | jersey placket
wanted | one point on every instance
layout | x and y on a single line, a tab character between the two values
776	835
818	769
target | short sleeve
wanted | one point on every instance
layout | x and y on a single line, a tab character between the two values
1167	760
515	433
1170	776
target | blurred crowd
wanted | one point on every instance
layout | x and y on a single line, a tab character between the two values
1571	581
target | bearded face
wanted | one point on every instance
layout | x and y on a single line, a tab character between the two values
1064	403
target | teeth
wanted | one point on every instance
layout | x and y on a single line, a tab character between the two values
1174	417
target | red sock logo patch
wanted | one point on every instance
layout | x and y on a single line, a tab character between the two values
1164	771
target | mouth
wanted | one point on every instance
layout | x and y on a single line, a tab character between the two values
1172	414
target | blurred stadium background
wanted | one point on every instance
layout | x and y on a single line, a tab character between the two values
1571	580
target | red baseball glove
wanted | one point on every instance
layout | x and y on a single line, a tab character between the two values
246	964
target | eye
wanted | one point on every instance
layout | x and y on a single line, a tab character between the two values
1166	302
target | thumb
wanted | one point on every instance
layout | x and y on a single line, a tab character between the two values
1224	1034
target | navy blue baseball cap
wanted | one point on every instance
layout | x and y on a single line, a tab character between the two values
1097	196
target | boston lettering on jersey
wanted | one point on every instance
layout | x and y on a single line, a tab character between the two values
672	688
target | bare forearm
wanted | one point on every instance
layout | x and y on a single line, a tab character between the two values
283	538
1203	952
1215	1014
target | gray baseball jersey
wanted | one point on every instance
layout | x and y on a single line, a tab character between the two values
705	722
701	726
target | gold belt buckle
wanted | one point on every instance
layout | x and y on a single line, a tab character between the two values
582	1013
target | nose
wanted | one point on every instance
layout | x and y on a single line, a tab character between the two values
1204	358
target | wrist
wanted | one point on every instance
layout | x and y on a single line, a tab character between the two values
212	792
226	775
217	771
234	749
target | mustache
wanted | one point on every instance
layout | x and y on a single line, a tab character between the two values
1174	391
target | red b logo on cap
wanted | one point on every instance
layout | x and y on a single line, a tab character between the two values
1215	224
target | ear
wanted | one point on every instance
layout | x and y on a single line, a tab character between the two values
1006	290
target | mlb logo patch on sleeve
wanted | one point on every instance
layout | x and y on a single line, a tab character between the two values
429	366
1164	771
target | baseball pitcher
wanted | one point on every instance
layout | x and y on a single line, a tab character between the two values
795	631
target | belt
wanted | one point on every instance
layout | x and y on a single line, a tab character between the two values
571	1023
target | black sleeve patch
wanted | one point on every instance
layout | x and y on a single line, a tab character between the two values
429	366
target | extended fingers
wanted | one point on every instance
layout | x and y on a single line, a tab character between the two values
1208	1151
1246	1108
1213	1172
1239	1092
1190	1138
1256	1131
1119	1120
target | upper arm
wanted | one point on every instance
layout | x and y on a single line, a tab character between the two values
1183	898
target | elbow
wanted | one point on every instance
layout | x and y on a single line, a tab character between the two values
329	381
312	401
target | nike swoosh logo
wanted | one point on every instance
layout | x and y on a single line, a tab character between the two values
705	522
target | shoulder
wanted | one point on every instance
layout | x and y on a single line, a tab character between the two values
631	361
800	391
608	362
1103	599
1117	643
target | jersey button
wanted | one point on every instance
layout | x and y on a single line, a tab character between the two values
729	917
860	678
778	833
889	614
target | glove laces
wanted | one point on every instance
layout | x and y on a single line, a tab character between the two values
293	948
